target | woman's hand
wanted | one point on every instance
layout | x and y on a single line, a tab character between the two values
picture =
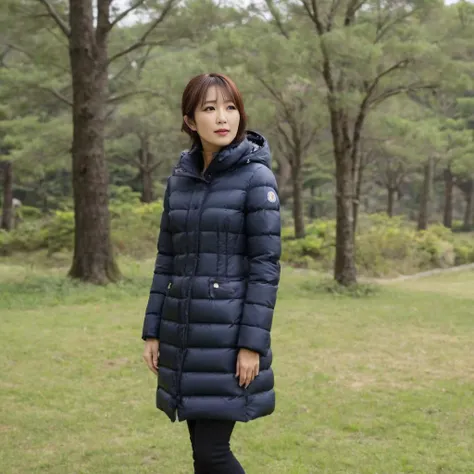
151	354
248	366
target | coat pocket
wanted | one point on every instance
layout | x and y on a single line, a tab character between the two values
223	289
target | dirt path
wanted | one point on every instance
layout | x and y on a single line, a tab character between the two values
415	276
436	271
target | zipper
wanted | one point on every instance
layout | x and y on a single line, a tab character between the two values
179	396
226	256
226	226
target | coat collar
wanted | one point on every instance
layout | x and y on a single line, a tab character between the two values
254	148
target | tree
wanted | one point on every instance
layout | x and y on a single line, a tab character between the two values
6	169
319	179
365	54
447	142
87	31
296	136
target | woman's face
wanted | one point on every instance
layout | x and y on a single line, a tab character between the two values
216	121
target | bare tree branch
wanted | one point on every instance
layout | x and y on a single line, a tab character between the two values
400	90
276	16
316	18
332	13
383	28
57	94
135	46
352	8
375	82
103	23
286	139
272	91
127	161
110	113
124	69
55	16
314	15
311	136
423	101
122	15
142	61
372	102
143	40
364	107
154	166
126	95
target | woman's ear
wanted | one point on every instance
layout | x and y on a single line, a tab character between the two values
190	123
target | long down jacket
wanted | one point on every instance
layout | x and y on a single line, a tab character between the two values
215	283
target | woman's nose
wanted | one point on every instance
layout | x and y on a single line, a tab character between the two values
221	116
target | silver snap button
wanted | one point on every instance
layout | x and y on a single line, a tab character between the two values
216	285
169	285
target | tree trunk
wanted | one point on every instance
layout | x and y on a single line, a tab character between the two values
313	207
391	200
147	183
469	210
93	259
358	192
7	213
425	201
344	265
283	177
145	158
448	198
298	204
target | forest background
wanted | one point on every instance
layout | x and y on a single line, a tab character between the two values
368	107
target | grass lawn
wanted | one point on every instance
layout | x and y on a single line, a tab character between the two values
379	384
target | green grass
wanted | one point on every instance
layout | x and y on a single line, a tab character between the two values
376	384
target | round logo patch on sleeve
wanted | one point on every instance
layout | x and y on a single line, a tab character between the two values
271	196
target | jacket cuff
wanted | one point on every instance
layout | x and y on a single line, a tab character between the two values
254	338
151	327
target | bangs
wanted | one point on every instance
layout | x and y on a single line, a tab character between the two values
224	88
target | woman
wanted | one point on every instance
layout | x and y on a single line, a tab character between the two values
209	315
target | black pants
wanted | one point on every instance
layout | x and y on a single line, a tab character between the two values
210	440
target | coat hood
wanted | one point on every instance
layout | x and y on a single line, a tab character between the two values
254	148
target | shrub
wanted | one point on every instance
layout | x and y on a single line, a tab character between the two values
433	251
135	229
29	212
379	247
59	232
384	246
315	251
26	238
463	250
5	241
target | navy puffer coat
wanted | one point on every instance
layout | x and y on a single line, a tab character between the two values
215	283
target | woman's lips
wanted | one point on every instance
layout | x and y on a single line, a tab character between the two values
222	133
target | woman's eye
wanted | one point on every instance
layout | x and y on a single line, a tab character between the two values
208	108
232	107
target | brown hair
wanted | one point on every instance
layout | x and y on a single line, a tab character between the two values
195	93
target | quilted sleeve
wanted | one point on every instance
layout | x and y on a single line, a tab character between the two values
161	277
263	229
